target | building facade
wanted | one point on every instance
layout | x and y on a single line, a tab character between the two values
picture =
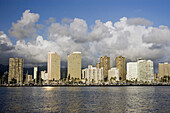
131	71
53	66
93	74
145	70
36	74
164	70
29	78
120	64
113	73
105	63
74	65
16	70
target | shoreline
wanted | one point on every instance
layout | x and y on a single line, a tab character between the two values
82	85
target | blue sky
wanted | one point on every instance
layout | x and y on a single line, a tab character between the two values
156	11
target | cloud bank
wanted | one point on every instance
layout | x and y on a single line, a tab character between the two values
131	38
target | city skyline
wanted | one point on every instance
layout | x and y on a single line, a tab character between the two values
135	32
141	71
83	56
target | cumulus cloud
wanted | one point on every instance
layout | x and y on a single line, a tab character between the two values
6	48
139	21
5	43
25	28
159	35
67	20
112	39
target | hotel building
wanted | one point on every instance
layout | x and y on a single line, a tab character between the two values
120	64
131	71
74	65
16	70
53	66
93	74
105	63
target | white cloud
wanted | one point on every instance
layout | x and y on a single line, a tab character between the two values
66	20
25	28
139	21
111	39
159	35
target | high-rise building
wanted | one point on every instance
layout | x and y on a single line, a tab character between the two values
74	65
105	63
120	64
150	71
36	74
113	73
145	70
53	66
164	70
15	70
142	70
93	74
131	71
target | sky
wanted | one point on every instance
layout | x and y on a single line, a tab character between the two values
132	28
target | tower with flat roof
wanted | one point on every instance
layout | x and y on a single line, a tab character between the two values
53	66
74	65
15	70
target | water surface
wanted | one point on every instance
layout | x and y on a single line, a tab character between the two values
154	99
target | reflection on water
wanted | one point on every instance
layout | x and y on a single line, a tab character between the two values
85	99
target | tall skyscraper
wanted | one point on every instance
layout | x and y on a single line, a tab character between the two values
36	74
131	71
142	70
145	70
15	70
120	64
105	63
53	66
164	70
74	65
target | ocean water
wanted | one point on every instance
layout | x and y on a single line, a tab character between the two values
133	99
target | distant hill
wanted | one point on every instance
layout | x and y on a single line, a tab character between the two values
3	68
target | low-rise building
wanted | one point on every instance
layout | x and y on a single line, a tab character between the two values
44	75
29	78
113	73
93	74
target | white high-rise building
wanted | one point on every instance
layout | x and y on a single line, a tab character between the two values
142	68
150	71
35	74
131	71
112	73
93	74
